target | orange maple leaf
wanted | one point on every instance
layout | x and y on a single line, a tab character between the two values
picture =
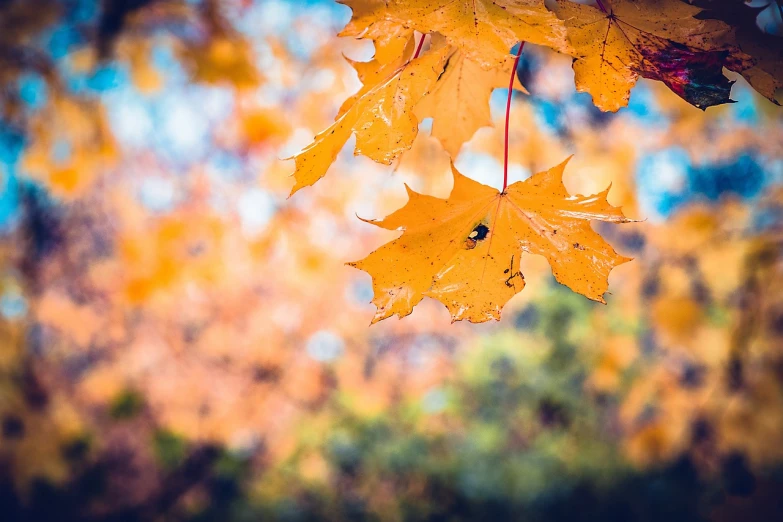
465	250
459	102
659	40
390	37
485	30
382	118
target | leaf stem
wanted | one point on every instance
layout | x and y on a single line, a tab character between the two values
418	49
600	5
508	112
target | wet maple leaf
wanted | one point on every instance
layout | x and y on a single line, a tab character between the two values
659	40
459	102
485	30
465	250
382	118
375	72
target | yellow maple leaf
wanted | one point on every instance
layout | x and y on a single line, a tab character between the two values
459	102
375	72
465	250
485	30
659	40
390	37
382	119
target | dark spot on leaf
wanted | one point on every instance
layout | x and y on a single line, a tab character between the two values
477	234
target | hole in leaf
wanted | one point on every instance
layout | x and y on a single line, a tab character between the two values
477	234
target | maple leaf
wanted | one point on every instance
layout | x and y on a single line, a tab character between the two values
485	30
389	37
658	39
374	72
465	250
765	73
382	119
459	102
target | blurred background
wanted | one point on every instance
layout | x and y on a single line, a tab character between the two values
179	341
